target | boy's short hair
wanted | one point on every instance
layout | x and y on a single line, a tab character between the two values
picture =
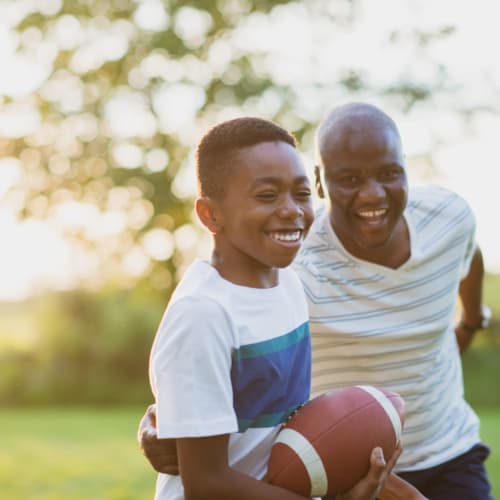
217	151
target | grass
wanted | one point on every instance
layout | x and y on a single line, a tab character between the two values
72	454
490	434
77	454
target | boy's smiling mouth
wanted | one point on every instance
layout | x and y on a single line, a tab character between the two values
286	236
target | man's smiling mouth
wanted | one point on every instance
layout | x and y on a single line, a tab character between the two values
373	216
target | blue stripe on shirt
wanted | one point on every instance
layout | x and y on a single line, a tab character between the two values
271	378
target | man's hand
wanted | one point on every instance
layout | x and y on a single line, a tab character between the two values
161	453
372	484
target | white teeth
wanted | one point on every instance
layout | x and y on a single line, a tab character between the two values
373	213
295	236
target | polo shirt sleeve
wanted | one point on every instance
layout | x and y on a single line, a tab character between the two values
190	370
471	244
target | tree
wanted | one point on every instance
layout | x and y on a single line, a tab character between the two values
125	88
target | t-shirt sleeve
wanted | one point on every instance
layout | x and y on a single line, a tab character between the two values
471	243
190	370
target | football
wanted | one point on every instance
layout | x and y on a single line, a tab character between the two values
324	448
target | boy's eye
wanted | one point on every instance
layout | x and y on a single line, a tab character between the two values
266	195
303	194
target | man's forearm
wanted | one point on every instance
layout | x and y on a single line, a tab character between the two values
471	298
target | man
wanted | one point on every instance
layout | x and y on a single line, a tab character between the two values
382	267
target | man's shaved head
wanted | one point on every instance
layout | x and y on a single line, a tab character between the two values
347	124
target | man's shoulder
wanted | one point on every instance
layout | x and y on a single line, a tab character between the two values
435	200
438	214
433	194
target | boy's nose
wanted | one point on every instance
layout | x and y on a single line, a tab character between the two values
290	210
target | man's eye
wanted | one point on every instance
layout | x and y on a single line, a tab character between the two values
349	179
390	175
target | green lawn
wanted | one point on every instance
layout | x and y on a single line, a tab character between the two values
490	434
77	454
72	454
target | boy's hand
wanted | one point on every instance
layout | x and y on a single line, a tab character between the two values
396	488
372	484
161	453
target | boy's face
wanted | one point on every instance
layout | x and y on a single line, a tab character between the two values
266	211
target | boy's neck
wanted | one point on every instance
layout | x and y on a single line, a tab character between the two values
234	272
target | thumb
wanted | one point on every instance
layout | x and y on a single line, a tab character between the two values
377	464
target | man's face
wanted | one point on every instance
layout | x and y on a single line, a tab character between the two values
366	182
267	209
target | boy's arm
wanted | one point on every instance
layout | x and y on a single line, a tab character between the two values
205	473
163	456
396	488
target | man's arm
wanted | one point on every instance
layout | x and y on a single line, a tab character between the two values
161	453
471	294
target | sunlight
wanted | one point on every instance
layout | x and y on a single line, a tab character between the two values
295	45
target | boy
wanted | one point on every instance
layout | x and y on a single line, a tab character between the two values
231	359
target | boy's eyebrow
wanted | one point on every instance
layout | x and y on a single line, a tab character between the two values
278	180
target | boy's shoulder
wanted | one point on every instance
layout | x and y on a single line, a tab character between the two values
198	278
202	283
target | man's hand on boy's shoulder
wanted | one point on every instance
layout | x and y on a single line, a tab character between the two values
161	453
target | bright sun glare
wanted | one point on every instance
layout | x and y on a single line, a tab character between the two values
297	52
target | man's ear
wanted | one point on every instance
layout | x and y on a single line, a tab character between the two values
209	214
317	182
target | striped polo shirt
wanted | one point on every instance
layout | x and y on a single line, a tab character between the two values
394	328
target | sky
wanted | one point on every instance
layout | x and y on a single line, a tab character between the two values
301	50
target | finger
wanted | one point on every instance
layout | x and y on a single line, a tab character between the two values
173	470
151	413
394	458
142	428
377	458
377	468
147	425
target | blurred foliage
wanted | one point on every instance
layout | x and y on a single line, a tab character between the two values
93	348
129	87
125	93
481	364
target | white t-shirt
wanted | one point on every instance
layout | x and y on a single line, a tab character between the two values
394	327
229	359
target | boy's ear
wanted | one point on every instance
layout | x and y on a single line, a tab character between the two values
317	182
209	214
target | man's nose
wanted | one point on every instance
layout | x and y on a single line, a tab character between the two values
371	189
